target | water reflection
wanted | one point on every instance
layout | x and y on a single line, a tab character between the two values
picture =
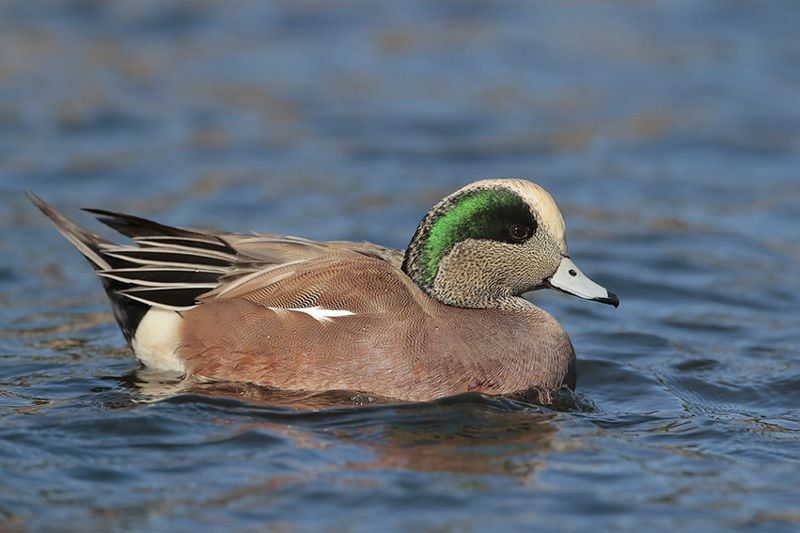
468	434
462	435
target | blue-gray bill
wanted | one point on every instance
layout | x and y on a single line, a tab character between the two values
569	279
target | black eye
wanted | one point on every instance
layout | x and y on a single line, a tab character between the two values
519	232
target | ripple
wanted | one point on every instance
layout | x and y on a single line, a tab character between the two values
667	132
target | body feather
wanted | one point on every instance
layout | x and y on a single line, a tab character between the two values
175	269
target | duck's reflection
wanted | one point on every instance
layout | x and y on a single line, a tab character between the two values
469	434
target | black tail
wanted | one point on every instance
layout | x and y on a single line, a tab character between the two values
127	312
168	267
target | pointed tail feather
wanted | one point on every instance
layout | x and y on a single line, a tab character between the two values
166	267
128	312
87	243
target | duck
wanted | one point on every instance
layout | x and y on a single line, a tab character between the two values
444	317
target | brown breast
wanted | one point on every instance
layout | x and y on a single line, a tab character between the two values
398	342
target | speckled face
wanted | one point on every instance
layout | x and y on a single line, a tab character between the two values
496	215
491	240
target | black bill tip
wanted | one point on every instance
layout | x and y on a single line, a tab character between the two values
611	299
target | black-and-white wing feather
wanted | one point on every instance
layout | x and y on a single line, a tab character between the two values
176	268
167	267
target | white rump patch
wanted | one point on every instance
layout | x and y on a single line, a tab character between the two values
157	340
317	313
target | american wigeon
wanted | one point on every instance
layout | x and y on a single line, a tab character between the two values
444	317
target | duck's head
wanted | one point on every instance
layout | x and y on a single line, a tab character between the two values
492	241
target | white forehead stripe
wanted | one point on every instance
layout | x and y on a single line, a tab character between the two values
548	212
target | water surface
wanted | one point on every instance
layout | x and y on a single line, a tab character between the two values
669	132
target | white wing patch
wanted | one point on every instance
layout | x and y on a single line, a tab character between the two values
157	340
317	313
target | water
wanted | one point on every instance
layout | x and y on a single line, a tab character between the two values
668	131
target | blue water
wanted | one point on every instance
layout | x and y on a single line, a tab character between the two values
669	133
